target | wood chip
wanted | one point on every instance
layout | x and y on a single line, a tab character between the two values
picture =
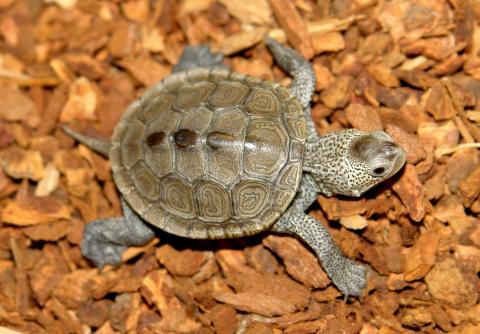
175	317
411	192
470	187
300	264
383	75
49	181
17	106
250	11
293	25
22	164
145	70
363	117
327	42
81	102
421	257
123	39
35	210
181	263
241	41
70	321
449	285
439	103
125	312
355	222
338	94
256	303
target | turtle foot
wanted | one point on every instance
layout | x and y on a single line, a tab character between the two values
198	56
349	277
98	249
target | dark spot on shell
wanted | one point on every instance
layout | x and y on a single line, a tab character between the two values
218	139
184	138
156	139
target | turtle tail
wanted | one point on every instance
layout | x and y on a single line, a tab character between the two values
100	146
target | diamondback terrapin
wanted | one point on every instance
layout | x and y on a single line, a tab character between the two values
207	153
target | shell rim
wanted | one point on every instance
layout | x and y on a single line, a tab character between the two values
116	164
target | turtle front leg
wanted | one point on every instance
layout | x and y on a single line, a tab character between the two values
105	240
304	79
348	276
198	56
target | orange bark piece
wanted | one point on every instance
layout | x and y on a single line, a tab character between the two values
411	193
293	24
421	257
37	210
255	302
299	262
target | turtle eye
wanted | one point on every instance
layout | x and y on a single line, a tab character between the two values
379	171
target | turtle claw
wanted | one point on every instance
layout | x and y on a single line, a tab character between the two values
349	277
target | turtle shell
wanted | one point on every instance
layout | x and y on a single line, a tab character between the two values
208	153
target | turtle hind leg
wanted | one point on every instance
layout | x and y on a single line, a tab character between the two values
198	56
105	240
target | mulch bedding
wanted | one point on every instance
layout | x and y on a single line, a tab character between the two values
408	67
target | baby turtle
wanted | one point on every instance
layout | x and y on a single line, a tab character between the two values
207	153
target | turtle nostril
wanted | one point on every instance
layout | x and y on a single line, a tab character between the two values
390	149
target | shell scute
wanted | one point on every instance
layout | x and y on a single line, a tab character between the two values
192	95
225	162
130	149
136	200
293	108
228	93
123	180
216	201
190	163
263	102
156	215
199	74
283	93
289	177
165	121
250	197
266	145
160	160
282	198
197	119
269	214
296	151
155	106
297	127
145	181
177	197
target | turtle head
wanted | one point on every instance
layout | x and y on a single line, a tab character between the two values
350	162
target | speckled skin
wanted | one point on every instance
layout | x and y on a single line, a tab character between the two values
347	162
